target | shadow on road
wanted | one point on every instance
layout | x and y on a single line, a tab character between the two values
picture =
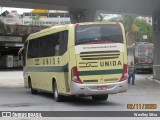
17	92
79	101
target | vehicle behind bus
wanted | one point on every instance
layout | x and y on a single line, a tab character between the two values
141	54
90	59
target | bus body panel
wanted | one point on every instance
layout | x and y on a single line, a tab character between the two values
100	66
43	70
91	89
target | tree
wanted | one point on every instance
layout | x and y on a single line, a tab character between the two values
144	29
128	20
135	28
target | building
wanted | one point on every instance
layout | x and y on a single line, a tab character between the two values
37	17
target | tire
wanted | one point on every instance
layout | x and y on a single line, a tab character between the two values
99	97
33	91
57	97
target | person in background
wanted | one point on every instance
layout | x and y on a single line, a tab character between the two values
131	73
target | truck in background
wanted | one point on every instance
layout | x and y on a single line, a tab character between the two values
141	54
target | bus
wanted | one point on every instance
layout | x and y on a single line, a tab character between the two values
141	54
82	59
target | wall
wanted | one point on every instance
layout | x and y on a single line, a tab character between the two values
156	38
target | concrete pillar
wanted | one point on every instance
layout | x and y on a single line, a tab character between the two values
156	39
82	15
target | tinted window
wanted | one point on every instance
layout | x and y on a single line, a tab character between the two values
50	45
63	42
98	33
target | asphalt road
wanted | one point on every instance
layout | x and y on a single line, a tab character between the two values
14	97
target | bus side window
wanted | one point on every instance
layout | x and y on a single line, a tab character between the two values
47	46
57	50
63	42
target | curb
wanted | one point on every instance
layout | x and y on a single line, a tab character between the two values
152	79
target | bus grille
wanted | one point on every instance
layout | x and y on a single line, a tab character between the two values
99	55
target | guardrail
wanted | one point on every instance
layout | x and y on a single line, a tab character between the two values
39	22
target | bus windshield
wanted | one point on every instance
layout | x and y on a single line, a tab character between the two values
110	33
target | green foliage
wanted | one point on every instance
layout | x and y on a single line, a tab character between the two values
144	29
127	20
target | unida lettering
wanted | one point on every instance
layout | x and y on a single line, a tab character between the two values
110	63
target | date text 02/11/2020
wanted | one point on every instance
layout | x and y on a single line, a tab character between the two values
141	106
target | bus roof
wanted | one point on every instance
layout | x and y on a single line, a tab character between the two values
58	28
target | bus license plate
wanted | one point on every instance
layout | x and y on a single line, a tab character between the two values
101	87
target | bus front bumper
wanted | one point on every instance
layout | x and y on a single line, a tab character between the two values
92	89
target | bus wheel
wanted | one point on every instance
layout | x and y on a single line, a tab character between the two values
57	97
33	91
99	97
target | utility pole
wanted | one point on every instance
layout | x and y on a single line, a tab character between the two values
1	10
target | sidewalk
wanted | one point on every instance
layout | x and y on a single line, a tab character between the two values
154	80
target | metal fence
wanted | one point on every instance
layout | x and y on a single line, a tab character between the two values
35	22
